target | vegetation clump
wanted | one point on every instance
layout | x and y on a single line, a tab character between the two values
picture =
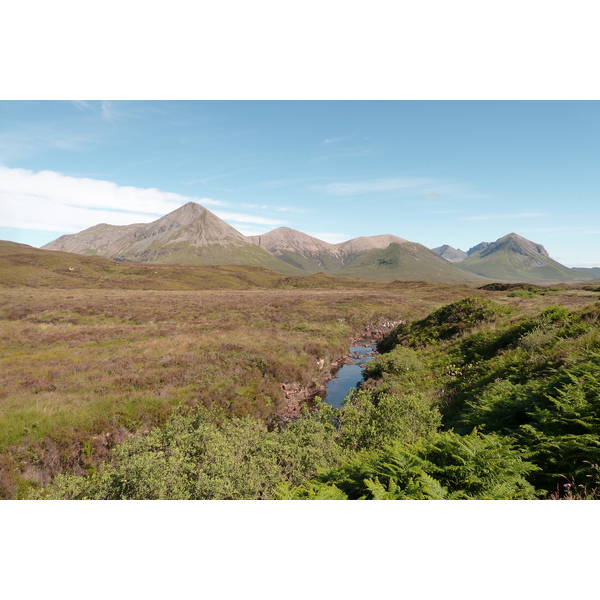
446	322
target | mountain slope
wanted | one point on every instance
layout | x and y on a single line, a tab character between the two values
189	235
406	262
513	258
23	266
299	249
314	255
449	253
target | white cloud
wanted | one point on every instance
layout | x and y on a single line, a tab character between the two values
51	201
372	185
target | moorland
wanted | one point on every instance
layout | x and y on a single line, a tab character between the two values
166	381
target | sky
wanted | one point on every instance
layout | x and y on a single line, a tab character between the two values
433	172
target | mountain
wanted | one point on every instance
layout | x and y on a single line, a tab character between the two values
480	246
190	234
314	255
449	253
513	258
299	249
408	261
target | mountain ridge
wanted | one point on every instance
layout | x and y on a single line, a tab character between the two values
191	234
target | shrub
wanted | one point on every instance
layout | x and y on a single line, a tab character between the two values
401	361
371	422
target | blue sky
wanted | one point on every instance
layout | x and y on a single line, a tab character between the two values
434	172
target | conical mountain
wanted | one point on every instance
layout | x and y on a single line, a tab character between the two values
190	234
513	258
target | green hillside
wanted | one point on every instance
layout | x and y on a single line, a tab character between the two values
25	266
407	262
515	259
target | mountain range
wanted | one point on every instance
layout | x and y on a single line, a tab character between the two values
193	235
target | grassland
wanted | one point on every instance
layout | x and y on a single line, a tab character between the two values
93	351
84	368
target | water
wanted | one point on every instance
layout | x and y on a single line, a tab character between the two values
349	376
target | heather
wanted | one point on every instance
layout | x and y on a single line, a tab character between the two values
474	396
84	369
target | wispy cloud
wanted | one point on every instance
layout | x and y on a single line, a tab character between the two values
106	110
298	211
353	188
263	206
503	217
337	140
52	201
103	108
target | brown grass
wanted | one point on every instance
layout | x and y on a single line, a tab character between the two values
82	367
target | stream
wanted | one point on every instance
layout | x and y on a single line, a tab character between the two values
350	375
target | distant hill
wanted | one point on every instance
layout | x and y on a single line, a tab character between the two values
406	262
299	250
513	258
192	235
314	255
380	258
449	253
189	235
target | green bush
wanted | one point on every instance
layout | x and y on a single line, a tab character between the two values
400	361
370	422
193	458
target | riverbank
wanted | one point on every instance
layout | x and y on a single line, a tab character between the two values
297	395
